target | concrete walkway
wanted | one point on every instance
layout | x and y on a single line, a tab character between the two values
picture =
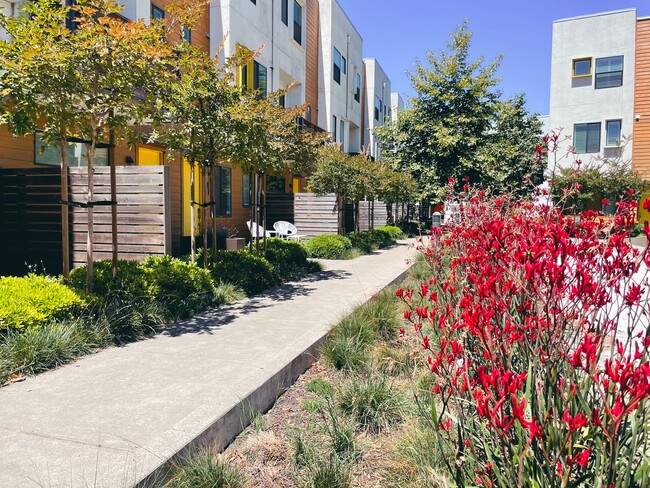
111	419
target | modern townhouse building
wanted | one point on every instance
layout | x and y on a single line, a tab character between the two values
340	76
593	76
396	105
377	105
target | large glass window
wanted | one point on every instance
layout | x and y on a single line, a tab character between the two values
77	153
157	13
344	65
377	107
223	186
259	78
275	184
187	35
284	11
357	91
613	133
297	22
581	67
246	190
586	138
337	66
334	125
342	134
609	72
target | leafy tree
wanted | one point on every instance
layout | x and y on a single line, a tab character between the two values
456	124
397	188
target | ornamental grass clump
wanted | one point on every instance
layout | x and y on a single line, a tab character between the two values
536	333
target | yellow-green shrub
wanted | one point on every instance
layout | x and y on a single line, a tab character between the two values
33	299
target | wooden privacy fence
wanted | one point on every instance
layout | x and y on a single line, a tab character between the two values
314	215
30	220
143	213
380	215
279	206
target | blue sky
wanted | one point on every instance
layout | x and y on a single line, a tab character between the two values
397	32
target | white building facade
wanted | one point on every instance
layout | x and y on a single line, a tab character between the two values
396	105
592	84
377	105
340	76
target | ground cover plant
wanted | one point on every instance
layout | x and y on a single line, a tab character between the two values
352	245
536	332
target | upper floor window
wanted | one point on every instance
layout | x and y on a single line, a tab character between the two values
297	22
586	138
357	91
581	67
337	66
377	108
223	187
254	1
344	65
157	12
187	35
334	126
609	72
259	78
612	133
284	12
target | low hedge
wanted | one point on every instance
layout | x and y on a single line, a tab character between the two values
252	273
130	282
393	231
328	246
33	300
288	258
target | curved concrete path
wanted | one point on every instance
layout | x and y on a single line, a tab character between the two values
111	419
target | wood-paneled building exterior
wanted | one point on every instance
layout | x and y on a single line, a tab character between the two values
641	135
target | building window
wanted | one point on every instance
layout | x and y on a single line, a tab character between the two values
308	114
187	35
586	138
357	92
275	184
337	66
297	22
246	190
254	1
284	12
344	65
223	186
377	108
581	67
259	78
157	12
609	72
244	77
50	154
334	122
342	135
612	133
282	101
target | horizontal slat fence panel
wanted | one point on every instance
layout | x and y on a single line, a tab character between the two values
279	206
315	215
143	213
30	220
380	215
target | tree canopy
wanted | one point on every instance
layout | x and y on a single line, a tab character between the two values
458	127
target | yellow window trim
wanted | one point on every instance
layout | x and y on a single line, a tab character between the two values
573	67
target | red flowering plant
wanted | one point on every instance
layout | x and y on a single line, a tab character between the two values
536	331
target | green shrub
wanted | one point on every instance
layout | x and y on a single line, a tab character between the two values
206	470
382	238
130	282
363	241
373	404
183	288
344	354
393	231
382	314
357	327
32	300
328	246
251	273
38	349
128	319
288	258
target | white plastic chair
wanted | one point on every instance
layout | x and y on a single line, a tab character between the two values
287	230
257	230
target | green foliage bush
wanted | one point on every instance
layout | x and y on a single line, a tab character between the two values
288	258
393	231
328	246
251	273
183	288
130	282
33	300
363	241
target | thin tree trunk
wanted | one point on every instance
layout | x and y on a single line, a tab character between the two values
90	238
252	192
264	223
111	162
65	213
256	224
213	197
372	215
192	215
357	217
389	213
341	209
204	215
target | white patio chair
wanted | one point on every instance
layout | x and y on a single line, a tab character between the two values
257	230
287	230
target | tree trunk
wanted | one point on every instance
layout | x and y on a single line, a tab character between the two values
111	162
213	198
252	192
389	213
256	222
357	217
340	203
372	215
192	215
65	212
264	223
90	238
204	215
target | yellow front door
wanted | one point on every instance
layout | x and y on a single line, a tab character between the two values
149	156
